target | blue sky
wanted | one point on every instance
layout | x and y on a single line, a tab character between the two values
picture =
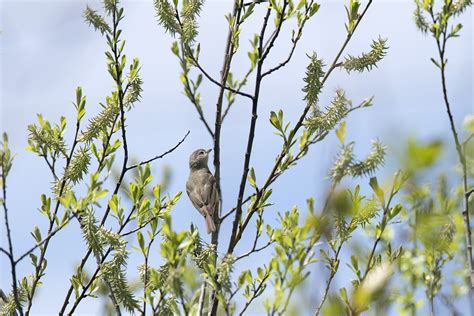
47	51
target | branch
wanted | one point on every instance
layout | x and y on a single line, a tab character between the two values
187	89
51	166
255	293
47	238
217	83
5	252
254	250
269	45
229	54
254	2
242	83
253	123
196	105
16	294
121	95
99	168
468	194
231	211
142	225
329	281
39	267
96	273
441	44
386	210
160	156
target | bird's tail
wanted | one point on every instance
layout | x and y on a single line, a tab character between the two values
210	224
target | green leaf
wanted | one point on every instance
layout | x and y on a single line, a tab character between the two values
141	242
251	178
275	121
37	234
377	190
394	211
114	203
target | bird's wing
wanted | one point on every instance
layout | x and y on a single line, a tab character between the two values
211	198
195	197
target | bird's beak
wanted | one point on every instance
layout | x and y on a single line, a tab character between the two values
209	150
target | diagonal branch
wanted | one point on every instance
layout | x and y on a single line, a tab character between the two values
214	81
159	156
48	237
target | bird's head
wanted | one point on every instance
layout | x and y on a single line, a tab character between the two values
199	158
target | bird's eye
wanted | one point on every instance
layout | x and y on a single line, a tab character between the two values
202	152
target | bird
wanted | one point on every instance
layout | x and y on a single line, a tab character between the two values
201	187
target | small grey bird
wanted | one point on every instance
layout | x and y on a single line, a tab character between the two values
201	187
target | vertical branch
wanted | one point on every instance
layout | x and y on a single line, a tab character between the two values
118	82
229	53
441	46
9	238
253	122
121	95
462	161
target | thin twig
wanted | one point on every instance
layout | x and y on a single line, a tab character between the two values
51	166
5	252
214	81
271	41
254	2
50	235
159	156
386	210
255	293
242	83
254	250
329	281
